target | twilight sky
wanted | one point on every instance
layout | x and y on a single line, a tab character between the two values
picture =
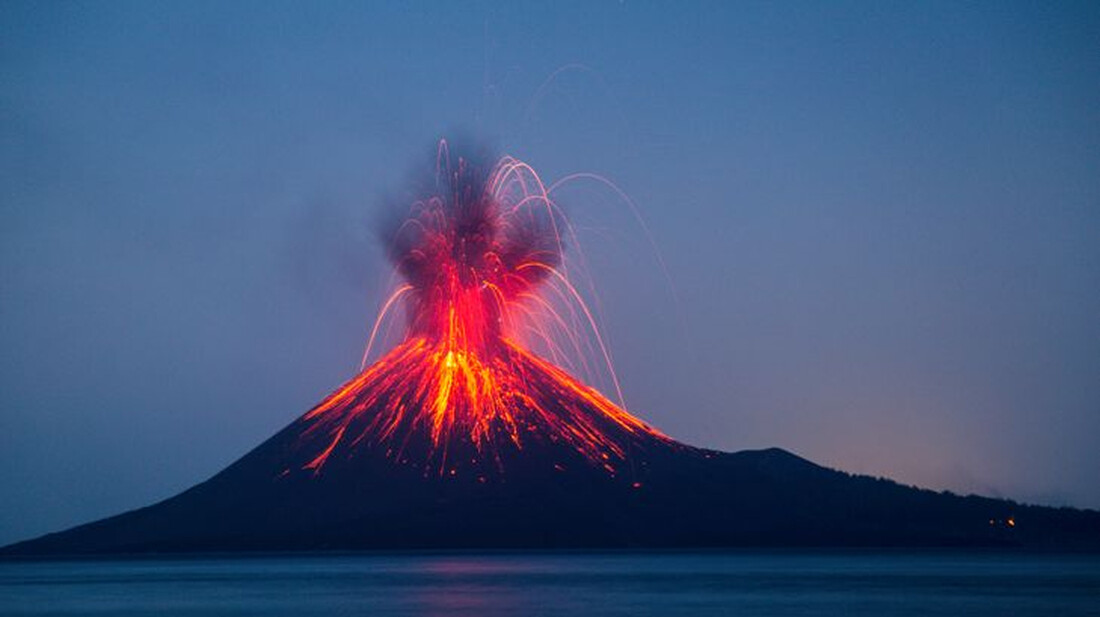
881	222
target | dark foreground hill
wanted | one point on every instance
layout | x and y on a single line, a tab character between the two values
676	497
436	448
461	437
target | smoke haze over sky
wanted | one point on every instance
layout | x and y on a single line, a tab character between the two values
881	224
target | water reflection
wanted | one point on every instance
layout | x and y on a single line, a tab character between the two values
866	583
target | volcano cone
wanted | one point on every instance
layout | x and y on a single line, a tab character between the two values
469	433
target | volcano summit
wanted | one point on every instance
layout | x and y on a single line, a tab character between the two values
472	432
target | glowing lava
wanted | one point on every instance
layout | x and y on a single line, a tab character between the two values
482	258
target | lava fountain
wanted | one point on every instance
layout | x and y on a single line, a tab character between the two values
482	258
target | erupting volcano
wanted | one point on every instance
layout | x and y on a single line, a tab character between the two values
481	257
472	431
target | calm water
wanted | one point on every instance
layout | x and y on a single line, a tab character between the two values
571	584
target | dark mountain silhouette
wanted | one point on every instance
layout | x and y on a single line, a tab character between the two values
462	438
542	491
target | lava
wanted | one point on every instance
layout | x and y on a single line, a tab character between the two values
482	255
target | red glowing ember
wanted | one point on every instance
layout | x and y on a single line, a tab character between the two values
482	258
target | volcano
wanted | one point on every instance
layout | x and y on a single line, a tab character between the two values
472	432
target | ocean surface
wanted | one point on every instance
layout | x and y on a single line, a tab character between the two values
737	583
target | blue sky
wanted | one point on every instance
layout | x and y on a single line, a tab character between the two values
880	221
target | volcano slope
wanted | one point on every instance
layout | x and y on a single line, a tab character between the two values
562	472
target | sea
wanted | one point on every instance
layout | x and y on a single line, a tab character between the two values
485	585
